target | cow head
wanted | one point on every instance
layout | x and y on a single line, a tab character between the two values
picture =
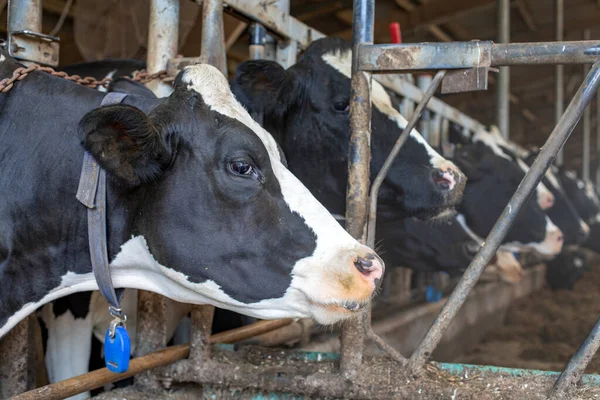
563	212
307	109
582	194
221	220
492	179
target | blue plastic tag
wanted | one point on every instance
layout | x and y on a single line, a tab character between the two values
117	350
432	294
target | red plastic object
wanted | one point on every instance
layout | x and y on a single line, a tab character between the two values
395	32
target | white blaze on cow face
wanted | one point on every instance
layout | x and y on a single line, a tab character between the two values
2	58
342	62
553	242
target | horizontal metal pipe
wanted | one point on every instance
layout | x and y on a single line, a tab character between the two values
457	55
543	161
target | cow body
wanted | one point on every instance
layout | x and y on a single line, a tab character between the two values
199	207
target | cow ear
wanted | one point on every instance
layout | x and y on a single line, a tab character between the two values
263	86
125	143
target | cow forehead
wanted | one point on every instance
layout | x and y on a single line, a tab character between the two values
341	61
214	89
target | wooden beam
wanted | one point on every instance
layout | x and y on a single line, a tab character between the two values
439	34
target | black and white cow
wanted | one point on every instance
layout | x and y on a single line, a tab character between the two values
493	177
200	207
306	108
443	246
582	195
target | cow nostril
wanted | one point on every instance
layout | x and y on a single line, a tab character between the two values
440	180
363	265
560	238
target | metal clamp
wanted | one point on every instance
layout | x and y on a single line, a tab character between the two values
119	319
33	46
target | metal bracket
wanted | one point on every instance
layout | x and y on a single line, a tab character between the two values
465	80
33	46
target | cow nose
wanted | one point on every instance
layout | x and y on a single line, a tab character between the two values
444	179
370	267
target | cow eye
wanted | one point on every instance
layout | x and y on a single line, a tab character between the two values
240	167
341	106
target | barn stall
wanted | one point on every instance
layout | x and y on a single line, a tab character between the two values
521	106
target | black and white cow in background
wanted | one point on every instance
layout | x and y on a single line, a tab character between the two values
200	207
306	108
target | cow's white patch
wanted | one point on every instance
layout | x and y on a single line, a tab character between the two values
2	58
342	62
68	347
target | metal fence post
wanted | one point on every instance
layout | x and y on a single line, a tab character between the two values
587	126
25	15
163	36
559	71
17	369
359	159
503	86
213	35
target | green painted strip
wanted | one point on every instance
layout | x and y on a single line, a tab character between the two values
465	369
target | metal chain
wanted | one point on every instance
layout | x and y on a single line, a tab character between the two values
20	73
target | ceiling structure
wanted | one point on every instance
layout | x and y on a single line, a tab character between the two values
532	88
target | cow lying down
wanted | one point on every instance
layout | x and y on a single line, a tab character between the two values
200	207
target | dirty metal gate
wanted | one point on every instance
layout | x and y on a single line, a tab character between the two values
457	61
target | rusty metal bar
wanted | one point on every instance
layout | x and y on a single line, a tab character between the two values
17	369
559	104
25	15
372	220
578	362
527	186
359	159
503	83
151	334
213	35
163	36
381	58
587	126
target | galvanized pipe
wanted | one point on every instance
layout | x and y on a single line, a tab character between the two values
578	362
423	82
163	36
503	83
257	35
381	58
557	139
587	126
359	159
213	35
25	15
372	220
559	89
598	140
